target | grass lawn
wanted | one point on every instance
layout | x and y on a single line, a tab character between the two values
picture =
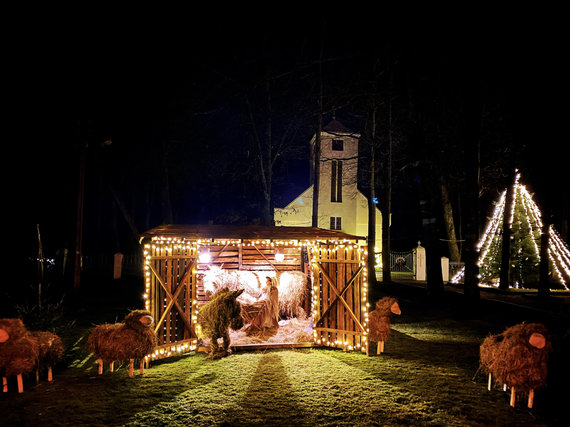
426	376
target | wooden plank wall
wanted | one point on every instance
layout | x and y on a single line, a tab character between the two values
339	324
171	268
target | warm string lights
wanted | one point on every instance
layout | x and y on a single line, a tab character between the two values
163	247
558	253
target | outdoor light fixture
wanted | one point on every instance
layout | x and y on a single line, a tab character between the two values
205	256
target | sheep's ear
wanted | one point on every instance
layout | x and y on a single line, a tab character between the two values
146	320
537	340
395	308
4	336
238	293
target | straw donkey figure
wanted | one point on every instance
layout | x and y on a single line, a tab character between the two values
131	340
217	316
517	358
379	321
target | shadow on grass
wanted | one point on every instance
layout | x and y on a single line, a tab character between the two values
269	398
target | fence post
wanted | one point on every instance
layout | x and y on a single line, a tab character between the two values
445	269
420	267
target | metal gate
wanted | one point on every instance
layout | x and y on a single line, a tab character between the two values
403	262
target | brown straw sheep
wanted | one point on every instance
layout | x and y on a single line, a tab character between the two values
217	316
379	321
50	351
133	339
18	351
517	358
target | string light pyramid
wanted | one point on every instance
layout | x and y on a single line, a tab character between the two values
525	225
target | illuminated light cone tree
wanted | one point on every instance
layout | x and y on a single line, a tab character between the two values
525	225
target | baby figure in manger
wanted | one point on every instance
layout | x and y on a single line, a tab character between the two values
266	321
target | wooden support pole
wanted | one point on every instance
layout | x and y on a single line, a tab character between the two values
112	366
100	367
512	396
20	384
530	397
131	364
142	367
50	374
4	385
379	347
489	382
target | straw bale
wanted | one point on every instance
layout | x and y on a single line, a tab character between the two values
379	319
18	349
50	348
518	357
134	338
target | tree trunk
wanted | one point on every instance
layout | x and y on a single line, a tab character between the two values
454	254
372	207
387	211
505	275
544	280
317	147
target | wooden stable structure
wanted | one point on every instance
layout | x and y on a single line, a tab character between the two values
334	262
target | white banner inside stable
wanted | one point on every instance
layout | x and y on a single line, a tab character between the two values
332	310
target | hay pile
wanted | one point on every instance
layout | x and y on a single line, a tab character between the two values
379	320
292	286
518	357
133	339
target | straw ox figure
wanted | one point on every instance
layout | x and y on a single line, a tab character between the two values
379	321
217	316
131	340
517	358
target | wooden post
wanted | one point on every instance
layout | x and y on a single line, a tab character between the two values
4	385
112	366
379	347
489	382
512	396
20	384
131	364
142	367
100	366
49	374
530	397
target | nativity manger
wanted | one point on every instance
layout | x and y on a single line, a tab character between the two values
296	286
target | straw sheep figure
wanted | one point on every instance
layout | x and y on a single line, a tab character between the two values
217	316
50	351
133	339
379	321
517	358
18	351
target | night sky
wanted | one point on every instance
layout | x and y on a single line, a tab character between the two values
175	82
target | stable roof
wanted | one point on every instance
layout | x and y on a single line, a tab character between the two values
246	232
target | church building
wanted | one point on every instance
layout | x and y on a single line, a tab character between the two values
341	205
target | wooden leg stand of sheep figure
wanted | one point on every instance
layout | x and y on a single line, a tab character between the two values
217	316
18	352
131	340
379	321
517	359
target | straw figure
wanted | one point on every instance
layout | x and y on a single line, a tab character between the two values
131	340
217	316
379	321
50	351
517	358
18	352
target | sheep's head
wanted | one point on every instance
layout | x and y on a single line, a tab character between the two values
139	319
537	340
11	329
388	305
